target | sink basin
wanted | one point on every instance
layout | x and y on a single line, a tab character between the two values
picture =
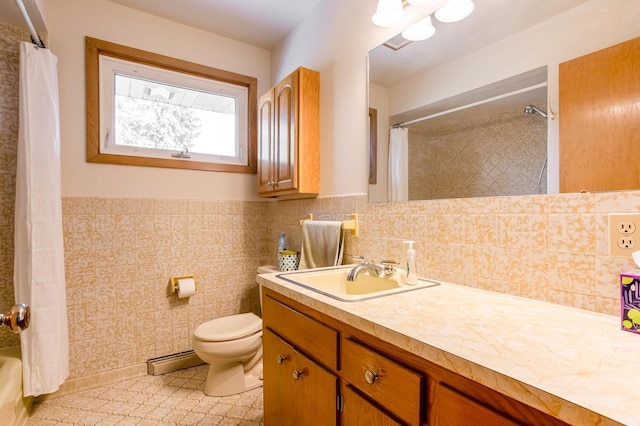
333	283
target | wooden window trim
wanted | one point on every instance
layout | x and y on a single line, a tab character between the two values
95	48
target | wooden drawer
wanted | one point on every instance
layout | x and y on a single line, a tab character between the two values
393	386
303	332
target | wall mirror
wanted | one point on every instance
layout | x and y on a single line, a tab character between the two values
478	99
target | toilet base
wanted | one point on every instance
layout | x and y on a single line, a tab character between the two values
230	379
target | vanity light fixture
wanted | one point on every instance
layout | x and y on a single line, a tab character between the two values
421	30
454	10
388	13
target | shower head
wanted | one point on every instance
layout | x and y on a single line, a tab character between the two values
530	109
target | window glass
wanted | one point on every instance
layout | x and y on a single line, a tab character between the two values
183	119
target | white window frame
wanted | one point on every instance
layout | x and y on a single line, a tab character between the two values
105	60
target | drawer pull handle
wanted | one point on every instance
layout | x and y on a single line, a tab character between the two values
297	374
281	359
370	376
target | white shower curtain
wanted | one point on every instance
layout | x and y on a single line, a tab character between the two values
38	277
398	164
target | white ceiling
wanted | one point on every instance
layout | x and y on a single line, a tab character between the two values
490	21
260	23
265	23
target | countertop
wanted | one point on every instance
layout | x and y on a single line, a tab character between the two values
574	364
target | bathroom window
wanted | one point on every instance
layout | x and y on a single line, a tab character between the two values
151	110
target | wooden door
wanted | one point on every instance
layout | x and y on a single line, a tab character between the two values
265	143
356	411
286	114
600	120
297	391
455	409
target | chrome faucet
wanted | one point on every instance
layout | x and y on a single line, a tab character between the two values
365	266
385	269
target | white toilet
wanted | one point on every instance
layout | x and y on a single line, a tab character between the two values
232	346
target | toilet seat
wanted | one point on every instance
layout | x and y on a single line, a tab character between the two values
228	328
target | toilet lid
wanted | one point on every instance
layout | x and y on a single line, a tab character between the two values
228	328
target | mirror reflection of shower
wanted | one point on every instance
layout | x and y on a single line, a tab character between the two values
532	109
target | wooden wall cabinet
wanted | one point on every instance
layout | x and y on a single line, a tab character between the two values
350	378
289	137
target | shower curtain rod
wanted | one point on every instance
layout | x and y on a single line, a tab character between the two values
472	104
35	38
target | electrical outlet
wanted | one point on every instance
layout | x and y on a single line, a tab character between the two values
626	243
624	235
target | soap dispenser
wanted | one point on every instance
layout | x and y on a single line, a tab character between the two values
412	272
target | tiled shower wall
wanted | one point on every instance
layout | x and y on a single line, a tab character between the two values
9	62
503	153
120	253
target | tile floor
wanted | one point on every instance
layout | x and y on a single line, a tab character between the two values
174	398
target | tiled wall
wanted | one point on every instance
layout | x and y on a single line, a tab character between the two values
120	253
502	153
552	248
9	62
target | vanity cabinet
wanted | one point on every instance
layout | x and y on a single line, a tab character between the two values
289	137
358	379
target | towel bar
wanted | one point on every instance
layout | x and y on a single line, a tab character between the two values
351	224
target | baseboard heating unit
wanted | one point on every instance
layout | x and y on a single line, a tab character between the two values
167	363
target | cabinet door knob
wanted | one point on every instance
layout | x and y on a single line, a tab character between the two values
297	374
370	376
281	359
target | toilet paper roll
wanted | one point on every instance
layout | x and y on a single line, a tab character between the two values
186	287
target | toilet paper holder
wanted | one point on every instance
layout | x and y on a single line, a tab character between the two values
175	281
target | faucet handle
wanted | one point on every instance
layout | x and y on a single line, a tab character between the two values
358	257
389	267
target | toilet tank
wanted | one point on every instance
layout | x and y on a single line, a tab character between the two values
267	269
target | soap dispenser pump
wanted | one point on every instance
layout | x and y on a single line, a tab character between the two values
412	273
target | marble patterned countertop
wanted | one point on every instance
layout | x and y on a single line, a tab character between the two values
574	364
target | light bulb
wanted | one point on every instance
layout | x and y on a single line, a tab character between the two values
417	2
454	10
421	30
388	13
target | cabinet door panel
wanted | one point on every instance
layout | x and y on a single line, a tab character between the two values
297	391
357	411
454	409
265	143
285	132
